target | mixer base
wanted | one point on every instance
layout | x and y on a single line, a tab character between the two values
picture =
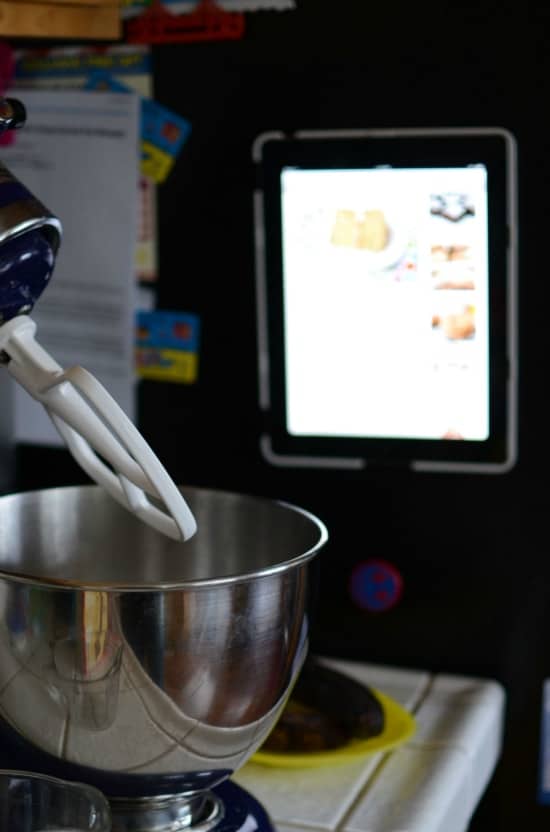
227	808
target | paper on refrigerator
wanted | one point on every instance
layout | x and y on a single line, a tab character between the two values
71	67
79	154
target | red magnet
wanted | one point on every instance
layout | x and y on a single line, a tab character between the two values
207	21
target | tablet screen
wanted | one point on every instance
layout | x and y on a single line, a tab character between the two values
388	293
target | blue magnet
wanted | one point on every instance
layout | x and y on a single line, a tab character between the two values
375	585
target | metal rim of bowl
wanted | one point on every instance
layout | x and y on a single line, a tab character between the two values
163	586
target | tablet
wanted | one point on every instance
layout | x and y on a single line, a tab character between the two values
386	298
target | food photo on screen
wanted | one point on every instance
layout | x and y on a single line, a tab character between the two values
376	287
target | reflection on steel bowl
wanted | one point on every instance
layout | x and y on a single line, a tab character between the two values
124	652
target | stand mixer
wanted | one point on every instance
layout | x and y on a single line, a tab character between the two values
136	656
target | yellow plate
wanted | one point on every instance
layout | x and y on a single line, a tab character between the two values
399	726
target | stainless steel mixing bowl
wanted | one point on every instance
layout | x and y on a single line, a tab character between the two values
130	655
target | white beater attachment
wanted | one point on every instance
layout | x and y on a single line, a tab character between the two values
95	428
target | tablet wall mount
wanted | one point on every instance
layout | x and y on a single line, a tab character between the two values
386	274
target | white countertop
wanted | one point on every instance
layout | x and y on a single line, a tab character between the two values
432	783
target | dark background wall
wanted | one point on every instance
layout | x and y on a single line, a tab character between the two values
472	550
